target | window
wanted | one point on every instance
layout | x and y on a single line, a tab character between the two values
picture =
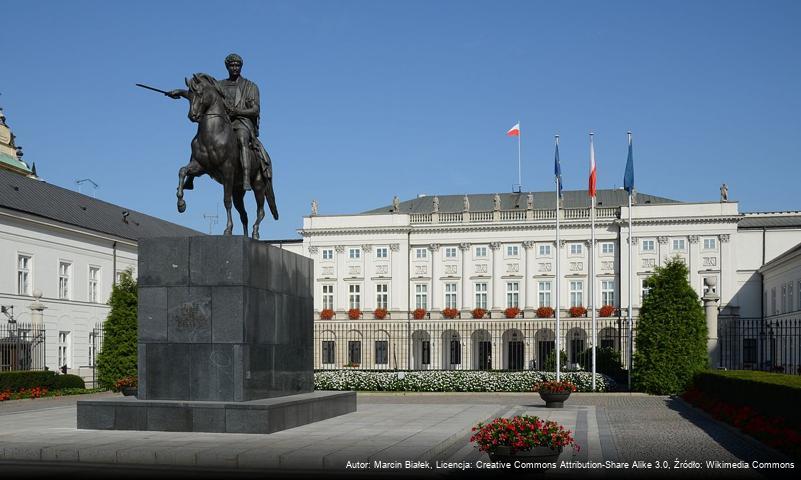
576	293
450	252
421	296
381	252
648	246
544	293
354	253
328	351
749	350
382	296
608	248
92	348
456	352
608	292
354	296
784	299
481	295
64	269
421	253
709	244
328	254
678	244
328	297
94	284
426	352
773	301
512	250
512	294
450	295
545	250
576	249
23	275
790	303
381	352
644	289
118	276
481	251
64	349
354	352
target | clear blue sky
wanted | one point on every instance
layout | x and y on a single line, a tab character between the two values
363	100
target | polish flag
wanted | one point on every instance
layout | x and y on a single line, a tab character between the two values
514	131
592	169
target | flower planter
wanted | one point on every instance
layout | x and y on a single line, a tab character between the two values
536	454
554	399
129	391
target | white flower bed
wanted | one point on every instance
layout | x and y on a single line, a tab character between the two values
450	381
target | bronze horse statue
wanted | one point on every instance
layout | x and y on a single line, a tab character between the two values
215	151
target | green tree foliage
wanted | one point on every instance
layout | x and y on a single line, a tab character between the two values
671	333
117	358
608	362
550	361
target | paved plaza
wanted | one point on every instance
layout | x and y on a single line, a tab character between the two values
39	436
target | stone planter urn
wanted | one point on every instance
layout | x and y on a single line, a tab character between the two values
535	454
554	399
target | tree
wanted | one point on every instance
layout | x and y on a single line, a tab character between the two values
550	361
117	358
671	333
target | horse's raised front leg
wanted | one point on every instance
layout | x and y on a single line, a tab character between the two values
180	193
185	176
227	194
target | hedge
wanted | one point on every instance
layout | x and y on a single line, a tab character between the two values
450	380
14	381
771	394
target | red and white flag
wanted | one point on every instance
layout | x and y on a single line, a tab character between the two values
592	169
514	131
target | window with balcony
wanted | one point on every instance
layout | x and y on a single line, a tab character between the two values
450	295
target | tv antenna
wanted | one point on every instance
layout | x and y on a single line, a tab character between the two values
87	180
212	219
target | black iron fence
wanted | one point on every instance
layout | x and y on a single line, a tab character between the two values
755	344
464	344
22	347
96	345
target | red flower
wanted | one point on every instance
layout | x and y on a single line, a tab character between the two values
511	312
380	313
578	311
419	313
327	314
544	312
354	314
478	313
606	311
450	313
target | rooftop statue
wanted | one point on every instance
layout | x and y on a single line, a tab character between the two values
226	146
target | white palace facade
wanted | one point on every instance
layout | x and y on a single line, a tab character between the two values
498	251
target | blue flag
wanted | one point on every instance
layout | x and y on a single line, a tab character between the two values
557	168
628	178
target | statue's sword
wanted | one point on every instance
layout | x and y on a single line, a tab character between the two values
151	88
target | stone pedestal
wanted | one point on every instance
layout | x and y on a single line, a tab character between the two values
224	323
711	299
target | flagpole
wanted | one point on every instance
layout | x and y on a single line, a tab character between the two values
631	285
592	268
519	168
558	276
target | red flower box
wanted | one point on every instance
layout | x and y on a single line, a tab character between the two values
419	313
450	313
606	311
380	313
354	314
511	312
578	311
327	314
544	312
478	313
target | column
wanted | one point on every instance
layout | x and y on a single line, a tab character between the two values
435	302
692	263
368	296
527	289
340	295
466	302
727	270
394	274
711	309
497	292
663	250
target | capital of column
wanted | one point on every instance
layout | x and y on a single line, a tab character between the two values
724	238
367	248
662	240
464	246
529	244
693	238
313	249
340	248
395	247
434	247
495	245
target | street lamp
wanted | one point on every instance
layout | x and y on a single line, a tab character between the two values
8	311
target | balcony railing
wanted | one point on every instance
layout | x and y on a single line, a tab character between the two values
512	215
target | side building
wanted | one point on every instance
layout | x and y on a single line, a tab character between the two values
440	258
60	254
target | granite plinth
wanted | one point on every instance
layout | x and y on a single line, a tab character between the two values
223	319
256	416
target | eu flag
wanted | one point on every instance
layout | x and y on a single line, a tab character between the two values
557	168
628	178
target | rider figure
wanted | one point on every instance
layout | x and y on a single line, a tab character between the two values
242	104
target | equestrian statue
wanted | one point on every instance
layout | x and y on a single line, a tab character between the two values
226	146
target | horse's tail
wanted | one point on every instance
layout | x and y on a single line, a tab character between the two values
268	193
